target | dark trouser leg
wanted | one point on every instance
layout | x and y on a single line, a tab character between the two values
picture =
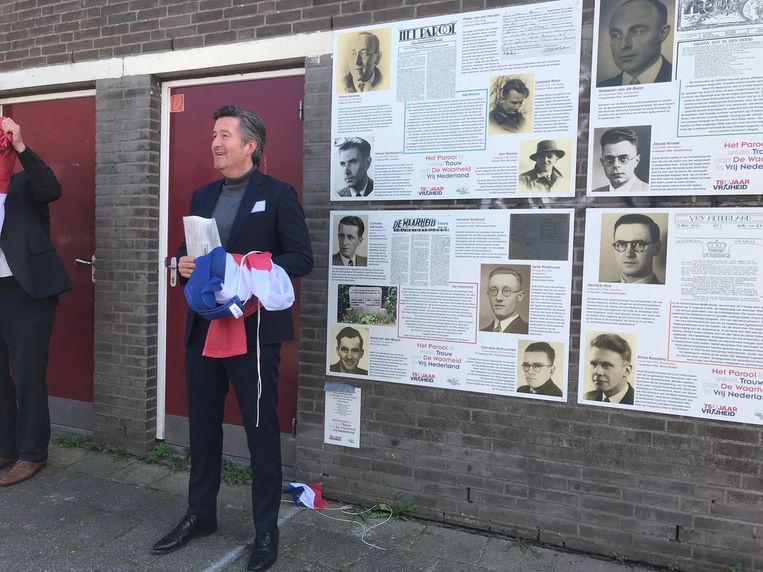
7	406
25	326
206	385
264	441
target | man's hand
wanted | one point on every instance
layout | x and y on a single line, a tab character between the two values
10	126
186	264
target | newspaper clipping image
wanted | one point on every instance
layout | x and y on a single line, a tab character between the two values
672	317
473	105
676	98
473	300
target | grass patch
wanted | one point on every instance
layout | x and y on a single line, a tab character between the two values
236	476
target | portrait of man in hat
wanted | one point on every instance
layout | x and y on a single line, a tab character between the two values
544	177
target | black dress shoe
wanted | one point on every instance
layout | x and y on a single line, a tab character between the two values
264	551
190	527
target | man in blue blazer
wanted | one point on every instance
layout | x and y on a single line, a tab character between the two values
253	212
31	277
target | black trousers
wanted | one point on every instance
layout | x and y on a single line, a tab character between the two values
25	327
207	385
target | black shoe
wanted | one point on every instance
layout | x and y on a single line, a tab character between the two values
264	551
190	527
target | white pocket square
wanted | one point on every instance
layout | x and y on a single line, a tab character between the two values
258	207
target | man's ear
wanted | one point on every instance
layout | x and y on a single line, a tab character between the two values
657	247
250	147
664	31
521	295
628	369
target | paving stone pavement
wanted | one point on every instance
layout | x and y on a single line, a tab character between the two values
92	511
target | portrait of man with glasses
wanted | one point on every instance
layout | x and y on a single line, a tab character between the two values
620	158
538	368
362	53
630	257
505	292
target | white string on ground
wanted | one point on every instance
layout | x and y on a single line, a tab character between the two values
366	529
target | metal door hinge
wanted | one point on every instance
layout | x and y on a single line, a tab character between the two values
301	110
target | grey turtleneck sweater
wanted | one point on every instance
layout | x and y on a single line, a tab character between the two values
228	203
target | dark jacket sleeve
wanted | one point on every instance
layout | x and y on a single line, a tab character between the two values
43	186
296	255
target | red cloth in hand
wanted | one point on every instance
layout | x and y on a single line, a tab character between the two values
7	159
226	337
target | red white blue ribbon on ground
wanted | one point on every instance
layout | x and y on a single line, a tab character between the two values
309	495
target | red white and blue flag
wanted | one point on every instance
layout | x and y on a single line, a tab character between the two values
309	495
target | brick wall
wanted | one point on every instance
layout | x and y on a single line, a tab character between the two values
668	490
126	249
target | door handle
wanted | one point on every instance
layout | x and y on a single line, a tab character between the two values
172	264
91	262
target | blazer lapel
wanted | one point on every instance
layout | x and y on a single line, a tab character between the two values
209	200
252	193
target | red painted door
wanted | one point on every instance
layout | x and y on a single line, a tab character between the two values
276	101
62	132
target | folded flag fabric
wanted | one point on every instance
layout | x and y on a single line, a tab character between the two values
7	161
309	495
225	287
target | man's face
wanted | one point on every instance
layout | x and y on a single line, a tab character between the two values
513	101
355	167
231	156
349	240
349	351
635	36
619	161
539	361
609	372
362	57
507	295
544	162
635	265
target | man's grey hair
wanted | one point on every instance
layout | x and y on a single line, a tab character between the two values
251	127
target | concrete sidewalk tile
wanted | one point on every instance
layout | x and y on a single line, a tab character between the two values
450	566
140	473
116	498
284	564
71	525
235	496
175	483
400	534
394	560
581	563
200	553
101	464
73	560
21	548
66	456
315	544
452	545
